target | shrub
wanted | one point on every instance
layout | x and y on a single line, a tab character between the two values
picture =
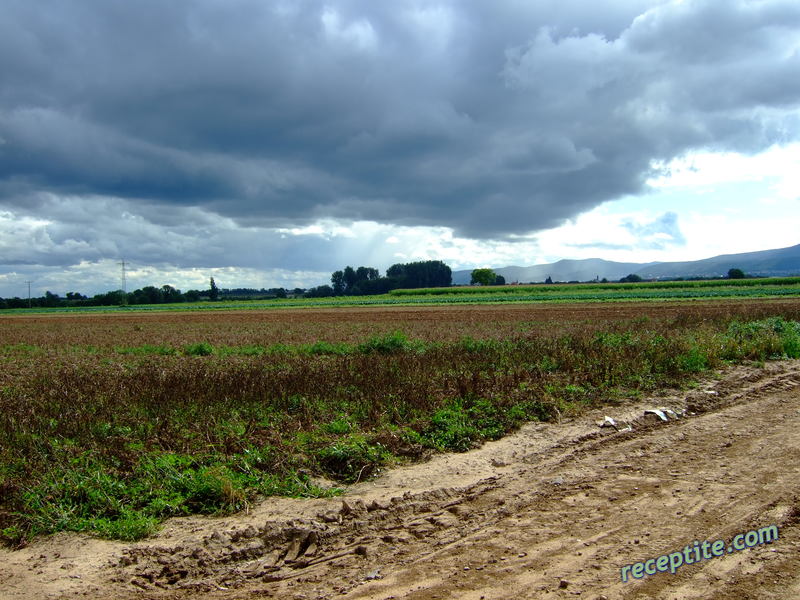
693	361
351	459
451	428
735	274
387	344
199	349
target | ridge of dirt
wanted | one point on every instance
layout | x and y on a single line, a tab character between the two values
552	511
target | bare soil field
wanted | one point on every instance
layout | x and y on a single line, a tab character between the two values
553	511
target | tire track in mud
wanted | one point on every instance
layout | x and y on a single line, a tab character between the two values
651	495
551	512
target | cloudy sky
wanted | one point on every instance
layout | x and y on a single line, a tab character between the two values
268	143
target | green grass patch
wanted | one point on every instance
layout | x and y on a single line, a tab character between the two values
609	286
87	494
351	458
198	349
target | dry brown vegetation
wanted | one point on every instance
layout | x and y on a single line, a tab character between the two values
112	422
354	324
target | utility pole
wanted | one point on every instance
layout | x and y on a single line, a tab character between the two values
29	293
124	283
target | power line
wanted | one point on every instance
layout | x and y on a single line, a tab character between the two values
124	283
29	293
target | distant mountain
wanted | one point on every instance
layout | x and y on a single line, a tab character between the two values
776	263
563	270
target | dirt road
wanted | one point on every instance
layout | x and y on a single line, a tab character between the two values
554	511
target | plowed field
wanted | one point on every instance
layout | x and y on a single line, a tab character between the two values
355	323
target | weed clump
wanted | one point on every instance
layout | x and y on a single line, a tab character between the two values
388	344
198	349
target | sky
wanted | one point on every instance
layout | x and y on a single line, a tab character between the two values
267	144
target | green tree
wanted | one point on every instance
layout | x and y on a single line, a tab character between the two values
148	295
350	279
171	294
117	297
483	277
51	299
337	279
631	278
321	291
397	271
376	286
367	274
213	293
426	273
735	274
499	280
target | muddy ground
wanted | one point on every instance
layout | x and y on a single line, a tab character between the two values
554	511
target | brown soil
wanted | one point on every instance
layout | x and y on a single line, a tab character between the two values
354	324
553	511
550	311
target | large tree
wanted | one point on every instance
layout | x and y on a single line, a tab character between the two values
171	294
367	274
426	273
483	277
337	281
368	280
350	279
213	292
322	291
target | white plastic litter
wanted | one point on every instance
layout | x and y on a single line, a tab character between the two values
659	413
607	422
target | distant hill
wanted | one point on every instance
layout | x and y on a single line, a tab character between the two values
563	270
772	263
768	263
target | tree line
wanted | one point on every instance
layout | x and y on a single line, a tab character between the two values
347	282
367	280
166	294
146	295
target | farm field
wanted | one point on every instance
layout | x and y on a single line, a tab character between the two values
112	423
717	289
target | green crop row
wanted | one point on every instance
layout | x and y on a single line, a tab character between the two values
579	287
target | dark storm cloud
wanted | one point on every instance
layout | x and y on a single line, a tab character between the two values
491	118
92	229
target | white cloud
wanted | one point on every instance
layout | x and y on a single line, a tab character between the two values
779	163
358	33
